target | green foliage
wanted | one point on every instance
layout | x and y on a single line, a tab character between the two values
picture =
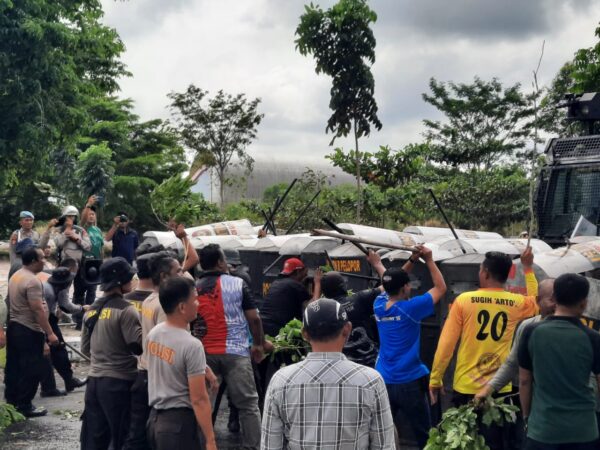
385	168
95	170
54	57
485	123
467	197
144	155
581	74
343	45
458	428
586	68
8	416
216	129
173	200
290	340
248	209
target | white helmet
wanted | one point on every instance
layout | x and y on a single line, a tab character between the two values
70	210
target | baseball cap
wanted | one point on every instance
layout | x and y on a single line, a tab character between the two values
325	316
292	265
26	215
394	279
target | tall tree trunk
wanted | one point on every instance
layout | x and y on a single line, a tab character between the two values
358	179
221	188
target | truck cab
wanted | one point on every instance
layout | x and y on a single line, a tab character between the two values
569	183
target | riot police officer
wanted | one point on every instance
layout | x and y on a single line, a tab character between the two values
112	336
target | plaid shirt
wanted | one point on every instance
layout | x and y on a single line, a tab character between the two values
327	402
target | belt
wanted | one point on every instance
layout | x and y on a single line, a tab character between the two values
182	409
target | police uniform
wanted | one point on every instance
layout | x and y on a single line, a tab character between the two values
112	336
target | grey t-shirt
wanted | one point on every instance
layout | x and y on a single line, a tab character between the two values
174	355
115	341
151	315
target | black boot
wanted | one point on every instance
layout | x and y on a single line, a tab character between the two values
53	393
74	382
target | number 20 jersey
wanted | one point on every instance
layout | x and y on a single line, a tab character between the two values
484	321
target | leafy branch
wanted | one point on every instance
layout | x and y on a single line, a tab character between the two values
8	416
459	429
290	340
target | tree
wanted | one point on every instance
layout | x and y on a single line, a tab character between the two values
173	201
485	123
95	170
343	45
144	154
581	74
217	129
385	168
54	56
585	67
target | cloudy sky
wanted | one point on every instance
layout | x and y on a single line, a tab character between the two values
248	46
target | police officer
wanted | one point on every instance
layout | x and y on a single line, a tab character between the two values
112	336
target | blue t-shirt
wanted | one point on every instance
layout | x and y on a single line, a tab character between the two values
400	338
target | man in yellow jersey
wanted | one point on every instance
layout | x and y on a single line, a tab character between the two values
484	321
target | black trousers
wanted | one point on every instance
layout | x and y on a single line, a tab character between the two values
59	360
83	294
106	413
140	411
176	428
24	364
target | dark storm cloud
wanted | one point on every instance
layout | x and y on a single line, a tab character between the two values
510	19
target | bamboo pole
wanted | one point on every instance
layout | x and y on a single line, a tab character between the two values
360	240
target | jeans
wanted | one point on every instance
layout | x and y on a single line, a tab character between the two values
137	436
535	445
59	360
106	414
411	399
175	428
24	364
239	376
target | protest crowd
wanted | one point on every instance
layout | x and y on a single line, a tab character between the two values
165	337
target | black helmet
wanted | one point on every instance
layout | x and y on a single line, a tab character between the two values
232	256
115	272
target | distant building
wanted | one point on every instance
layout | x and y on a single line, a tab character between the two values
265	174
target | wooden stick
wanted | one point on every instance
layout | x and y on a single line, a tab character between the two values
77	351
360	240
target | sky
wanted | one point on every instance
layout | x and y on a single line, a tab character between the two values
247	46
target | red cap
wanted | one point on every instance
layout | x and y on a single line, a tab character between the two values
291	265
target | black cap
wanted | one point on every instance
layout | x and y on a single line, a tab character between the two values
333	285
115	272
324	315
61	275
394	279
